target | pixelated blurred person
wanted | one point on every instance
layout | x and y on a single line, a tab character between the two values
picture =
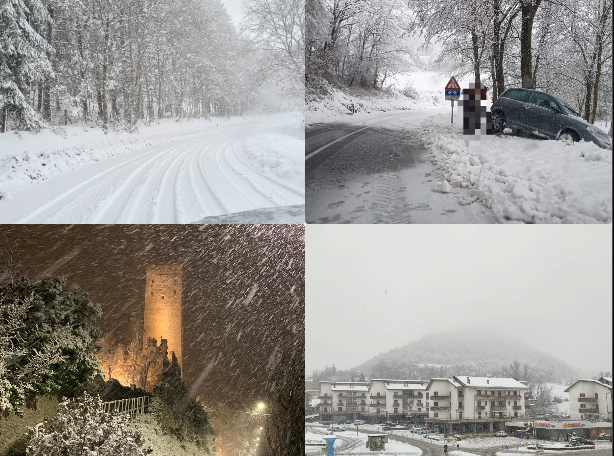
474	113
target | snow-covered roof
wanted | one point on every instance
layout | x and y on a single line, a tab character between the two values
489	382
606	380
588	380
405	386
354	387
454	383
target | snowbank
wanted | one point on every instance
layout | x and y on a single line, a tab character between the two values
163	444
524	180
416	90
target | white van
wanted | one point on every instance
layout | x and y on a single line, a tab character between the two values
358	422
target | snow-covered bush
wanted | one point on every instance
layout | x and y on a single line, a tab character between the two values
47	340
82	428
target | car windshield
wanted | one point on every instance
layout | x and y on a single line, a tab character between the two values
568	109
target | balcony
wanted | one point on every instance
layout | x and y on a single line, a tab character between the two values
498	408
378	397
517	407
408	401
382	404
440	398
325	397
587	399
480	407
461	406
485	396
440	409
589	410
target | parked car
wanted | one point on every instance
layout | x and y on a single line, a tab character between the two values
500	434
457	437
358	422
543	115
335	429
584	441
604	436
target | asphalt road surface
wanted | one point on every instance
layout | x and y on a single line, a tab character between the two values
377	172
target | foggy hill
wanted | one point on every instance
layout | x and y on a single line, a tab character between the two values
458	353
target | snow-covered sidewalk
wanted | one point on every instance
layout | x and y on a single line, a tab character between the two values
522	180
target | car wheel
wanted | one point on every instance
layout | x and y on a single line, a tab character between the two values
498	121
568	137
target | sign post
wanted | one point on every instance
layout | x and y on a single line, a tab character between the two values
452	92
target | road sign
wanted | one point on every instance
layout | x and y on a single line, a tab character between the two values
452	84
452	90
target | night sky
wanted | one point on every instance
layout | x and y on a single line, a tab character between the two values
228	339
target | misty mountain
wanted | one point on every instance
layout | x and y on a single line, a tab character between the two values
478	353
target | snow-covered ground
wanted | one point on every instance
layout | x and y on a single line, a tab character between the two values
523	180
411	91
358	444
167	173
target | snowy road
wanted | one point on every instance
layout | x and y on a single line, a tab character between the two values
180	182
377	171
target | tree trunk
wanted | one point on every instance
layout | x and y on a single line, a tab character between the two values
528	9
47	83
3	117
476	55
105	76
496	47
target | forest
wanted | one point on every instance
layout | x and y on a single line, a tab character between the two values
115	63
563	47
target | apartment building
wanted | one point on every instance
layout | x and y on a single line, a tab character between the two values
590	399
475	398
397	397
343	397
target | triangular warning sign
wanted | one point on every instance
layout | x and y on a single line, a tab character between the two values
452	84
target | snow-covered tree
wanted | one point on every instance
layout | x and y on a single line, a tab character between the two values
81	427
177	413
48	339
23	60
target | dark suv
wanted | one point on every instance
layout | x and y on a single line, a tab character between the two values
543	115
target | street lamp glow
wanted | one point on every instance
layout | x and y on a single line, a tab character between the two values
261	428
261	405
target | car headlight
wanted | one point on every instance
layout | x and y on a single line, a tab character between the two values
599	133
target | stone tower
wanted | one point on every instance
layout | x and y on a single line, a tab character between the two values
163	306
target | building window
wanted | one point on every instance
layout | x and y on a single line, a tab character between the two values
341	409
460	404
435	403
435	393
479	415
396	411
435	414
582	405
174	291
597	396
152	281
419	409
152	293
378	394
460	415
581	394
362	409
162	297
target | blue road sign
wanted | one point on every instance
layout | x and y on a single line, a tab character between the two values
453	92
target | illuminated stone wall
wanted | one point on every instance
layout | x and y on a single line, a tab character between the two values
163	306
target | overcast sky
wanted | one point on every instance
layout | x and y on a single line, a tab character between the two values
234	9
364	283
